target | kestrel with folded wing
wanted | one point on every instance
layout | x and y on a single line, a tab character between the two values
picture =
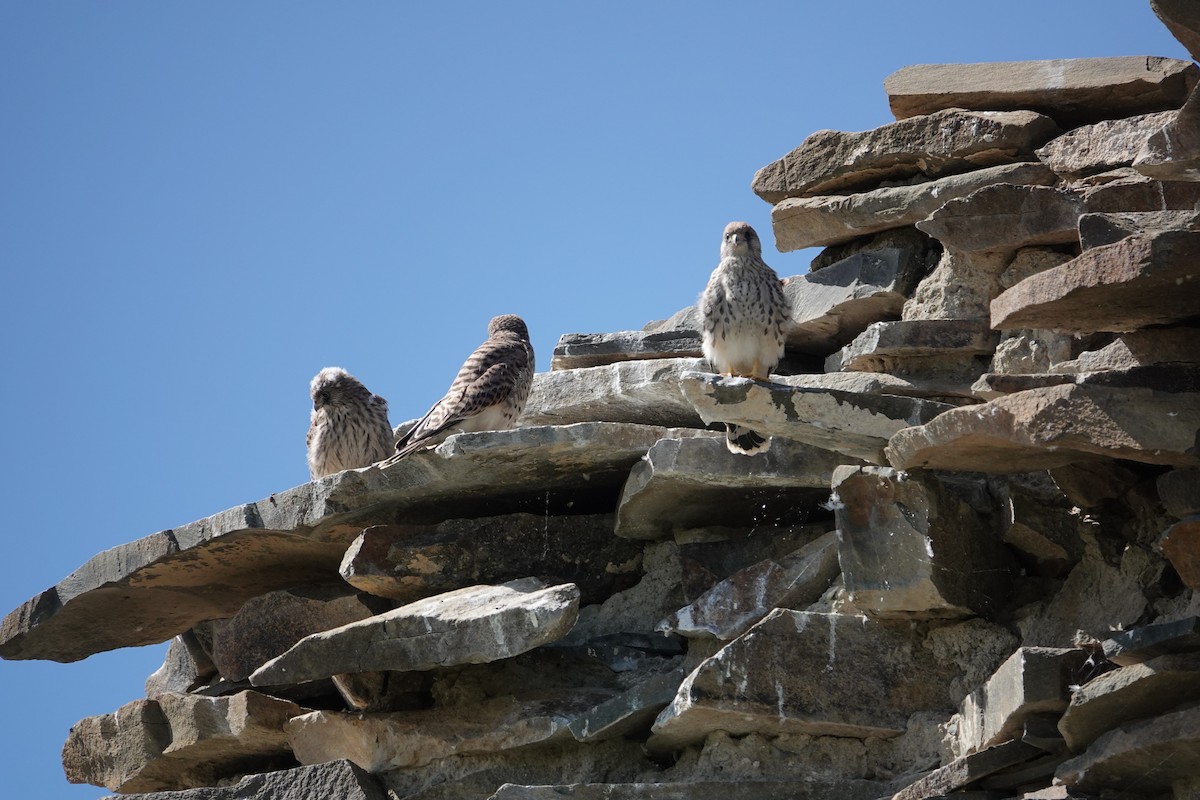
349	426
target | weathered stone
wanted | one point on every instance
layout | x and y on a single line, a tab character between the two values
1045	428
1148	756
833	305
891	346
154	588
1042	528
967	770
1182	19
1147	642
269	624
403	739
382	690
474	625
630	712
1181	546
578	350
798	789
913	245
639	608
705	562
1139	349
1099	229
409	562
685	484
1102	146
919	545
732	606
960	287
800	222
1179	491
186	667
1173	153
1125	189
1033	681
1005	217
1025	352
1134	283
857	425
1168	377
817	674
335	779
1148	689
1071	91
178	741
941	143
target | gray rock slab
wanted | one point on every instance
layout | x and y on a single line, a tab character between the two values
1163	377
799	789
406	563
576	350
1102	146
178	741
1134	692
919	545
1071	91
941	143
800	222
1031	682
643	392
1173	152
808	673
630	712
334	779
1134	283
1126	189
1179	491
1149	755
1099	229
967	770
271	623
1005	217
406	739
836	303
474	625
688	484
857	425
154	588
186	667
731	607
1042	528
960	287
1180	544
1139	349
1146	642
1182	19
883	345
1054	426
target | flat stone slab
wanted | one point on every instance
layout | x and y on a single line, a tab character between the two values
1105	145
1180	544
406	563
640	392
334	779
577	350
1139	349
1145	642
1134	283
915	545
1173	153
1148	756
406	739
149	590
1138	691
1072	91
731	607
800	222
967	770
474	625
1182	19
857	425
630	712
1005	217
805	673
1031	682
799	789
1163	377
944	142
883	344
1101	228
178	741
1051	427
688	484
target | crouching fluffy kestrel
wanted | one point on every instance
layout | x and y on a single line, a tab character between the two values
489	392
349	427
744	311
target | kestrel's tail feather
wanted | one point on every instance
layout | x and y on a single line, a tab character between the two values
745	442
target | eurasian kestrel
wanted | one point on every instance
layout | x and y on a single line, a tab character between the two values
349	426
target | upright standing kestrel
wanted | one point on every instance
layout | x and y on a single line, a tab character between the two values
744	312
489	392
349	426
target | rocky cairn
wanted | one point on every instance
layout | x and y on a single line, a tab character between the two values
967	567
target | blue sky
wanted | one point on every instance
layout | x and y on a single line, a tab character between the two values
204	204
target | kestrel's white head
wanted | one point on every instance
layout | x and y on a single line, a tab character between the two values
740	241
335	386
